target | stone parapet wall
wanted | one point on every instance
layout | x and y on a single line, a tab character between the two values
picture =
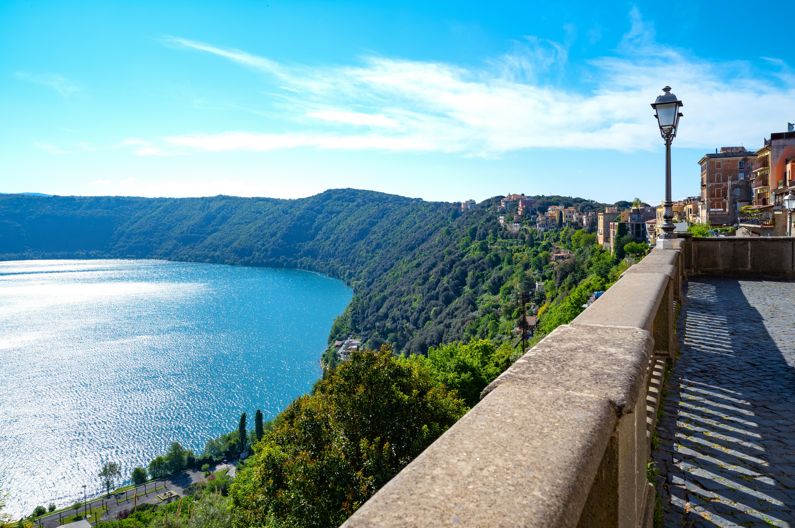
561	438
768	257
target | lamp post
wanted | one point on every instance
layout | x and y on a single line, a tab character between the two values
789	205
666	109
85	502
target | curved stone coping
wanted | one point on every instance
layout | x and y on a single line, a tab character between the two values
661	256
631	302
599	361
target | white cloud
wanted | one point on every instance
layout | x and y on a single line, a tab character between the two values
142	147
511	103
240	57
59	83
354	118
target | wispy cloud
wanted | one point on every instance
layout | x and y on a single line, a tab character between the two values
141	147
59	83
512	102
234	55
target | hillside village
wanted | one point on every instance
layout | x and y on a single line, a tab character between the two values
742	194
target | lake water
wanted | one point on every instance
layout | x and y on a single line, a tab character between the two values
114	359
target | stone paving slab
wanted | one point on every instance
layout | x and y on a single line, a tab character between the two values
726	450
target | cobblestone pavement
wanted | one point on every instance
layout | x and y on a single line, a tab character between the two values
726	450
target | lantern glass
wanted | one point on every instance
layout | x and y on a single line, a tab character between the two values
666	115
789	201
666	109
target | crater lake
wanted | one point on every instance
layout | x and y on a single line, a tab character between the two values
112	360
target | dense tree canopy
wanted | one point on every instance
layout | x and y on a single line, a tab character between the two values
329	451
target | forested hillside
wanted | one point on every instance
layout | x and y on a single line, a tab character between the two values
423	272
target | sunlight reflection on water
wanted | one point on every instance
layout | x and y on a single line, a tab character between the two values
112	360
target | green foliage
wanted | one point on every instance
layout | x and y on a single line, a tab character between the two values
466	368
39	511
701	230
259	430
217	483
223	447
567	308
636	250
330	450
212	511
242	433
109	475
207	507
3	516
176	458
159	467
139	476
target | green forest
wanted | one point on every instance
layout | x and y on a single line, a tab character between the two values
439	296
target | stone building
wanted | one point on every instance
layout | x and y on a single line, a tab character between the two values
721	173
603	219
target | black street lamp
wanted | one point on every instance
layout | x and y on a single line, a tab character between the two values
666	109
85	502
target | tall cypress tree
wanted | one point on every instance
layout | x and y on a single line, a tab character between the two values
258	428
241	431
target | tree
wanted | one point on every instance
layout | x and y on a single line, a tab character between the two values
39	511
328	452
242	433
109	475
700	230
139	476
466	368
258	427
211	511
636	250
176	457
3	517
158	467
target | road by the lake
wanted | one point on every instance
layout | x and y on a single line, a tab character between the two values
151	492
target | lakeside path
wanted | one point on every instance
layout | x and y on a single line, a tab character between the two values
144	494
726	449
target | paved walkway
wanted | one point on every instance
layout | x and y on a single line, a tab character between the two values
143	494
727	437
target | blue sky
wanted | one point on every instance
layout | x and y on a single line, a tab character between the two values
440	100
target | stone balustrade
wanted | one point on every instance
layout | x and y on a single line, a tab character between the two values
562	437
